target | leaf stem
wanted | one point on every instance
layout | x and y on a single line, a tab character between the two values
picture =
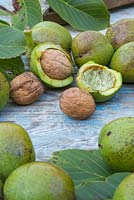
29	41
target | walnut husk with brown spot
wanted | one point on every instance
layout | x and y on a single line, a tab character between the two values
121	32
77	103
26	88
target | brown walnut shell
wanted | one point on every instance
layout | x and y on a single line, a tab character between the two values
56	64
77	103
26	88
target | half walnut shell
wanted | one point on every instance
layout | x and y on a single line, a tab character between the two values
99	81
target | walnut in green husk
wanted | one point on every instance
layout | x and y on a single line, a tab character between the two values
52	65
39	181
4	90
123	62
116	144
121	32
125	189
48	31
56	64
91	46
16	148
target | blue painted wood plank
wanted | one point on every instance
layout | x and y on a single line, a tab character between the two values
51	130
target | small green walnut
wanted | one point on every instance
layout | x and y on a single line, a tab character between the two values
121	32
52	65
125	190
16	148
77	103
98	80
91	45
26	88
123	62
4	90
116	144
39	181
51	32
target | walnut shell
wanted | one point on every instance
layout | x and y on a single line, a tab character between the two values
26	88
77	103
56	64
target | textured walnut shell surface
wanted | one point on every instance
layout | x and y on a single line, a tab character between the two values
56	64
26	88
77	103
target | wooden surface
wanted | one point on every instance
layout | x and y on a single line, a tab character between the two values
117	3
51	130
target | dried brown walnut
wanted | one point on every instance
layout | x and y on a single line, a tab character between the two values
26	88
77	103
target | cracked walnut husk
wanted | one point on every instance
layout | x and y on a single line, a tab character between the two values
52	64
26	88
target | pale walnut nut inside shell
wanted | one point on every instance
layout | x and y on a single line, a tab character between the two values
26	88
77	103
56	64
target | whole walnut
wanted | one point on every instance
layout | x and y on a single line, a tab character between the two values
52	64
26	88
56	64
77	103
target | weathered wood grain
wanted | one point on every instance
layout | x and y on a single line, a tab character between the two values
51	130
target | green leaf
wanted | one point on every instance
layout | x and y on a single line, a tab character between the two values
12	67
82	165
82	15
4	22
100	190
1	190
92	177
12	42
29	14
